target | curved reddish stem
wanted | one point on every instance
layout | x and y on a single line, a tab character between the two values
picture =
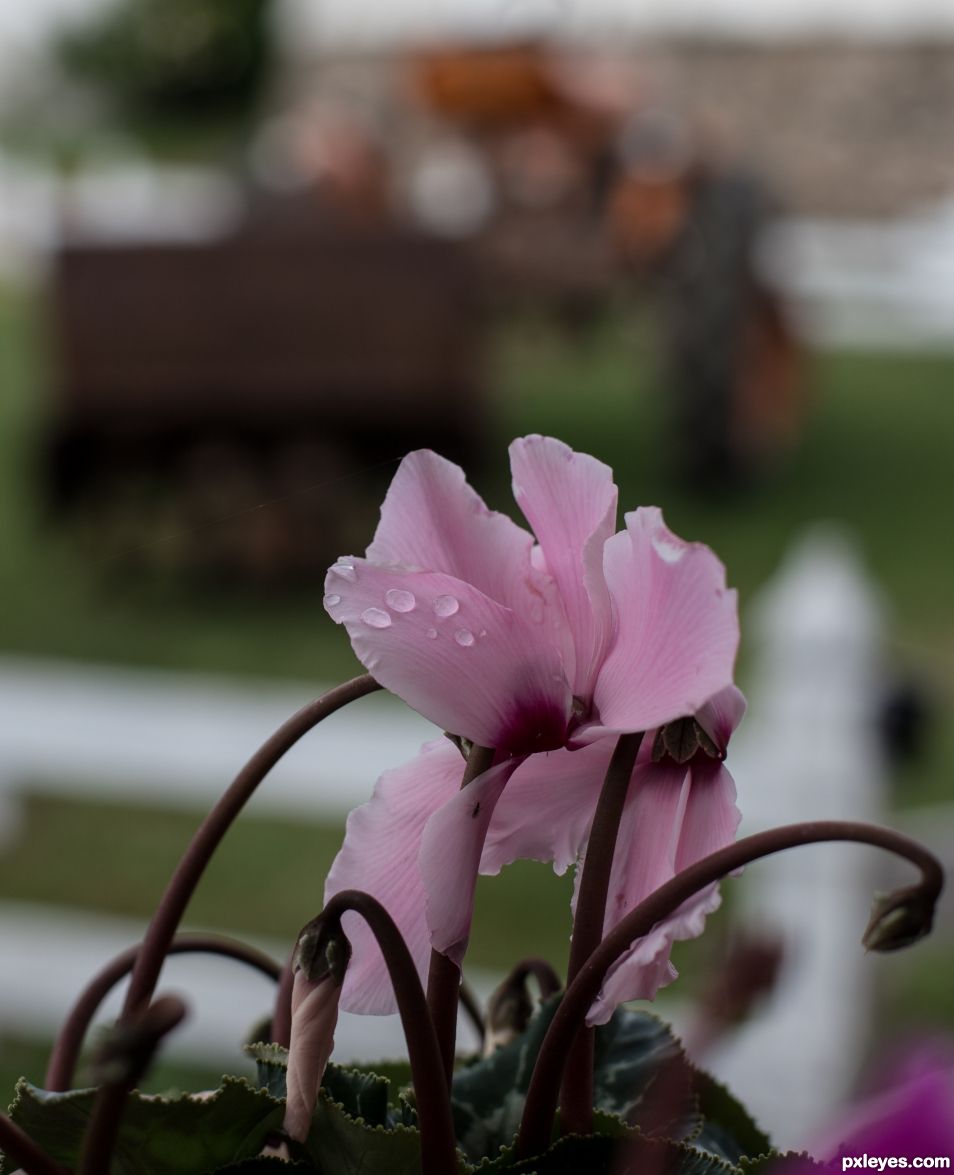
189	871
443	976
540	1106
438	1144
281	1016
69	1042
576	1097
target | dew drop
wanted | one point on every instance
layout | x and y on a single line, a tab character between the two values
464	637
431	634
399	600
345	570
376	618
483	632
331	600
669	550
446	606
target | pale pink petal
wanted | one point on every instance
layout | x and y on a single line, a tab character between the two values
721	715
467	663
677	627
548	806
674	816
570	501
712	818
432	520
380	856
450	857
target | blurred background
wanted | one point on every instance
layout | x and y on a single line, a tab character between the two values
252	251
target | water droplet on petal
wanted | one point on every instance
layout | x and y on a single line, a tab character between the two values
464	637
431	634
670	550
483	632
345	570
446	605
331	600
400	600
376	618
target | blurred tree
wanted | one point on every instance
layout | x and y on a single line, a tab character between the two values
173	58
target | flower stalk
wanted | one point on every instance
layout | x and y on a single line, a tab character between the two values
576	1098
916	901
444	976
438	1145
209	836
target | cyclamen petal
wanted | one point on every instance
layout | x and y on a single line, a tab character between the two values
721	715
674	816
380	856
473	666
547	809
570	501
432	520
677	627
451	848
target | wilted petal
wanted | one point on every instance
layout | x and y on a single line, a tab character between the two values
432	520
677	627
570	501
548	806
674	816
469	664
450	857
380	856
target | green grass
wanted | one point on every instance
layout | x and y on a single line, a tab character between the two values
266	879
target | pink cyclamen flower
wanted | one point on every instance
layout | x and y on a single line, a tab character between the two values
545	650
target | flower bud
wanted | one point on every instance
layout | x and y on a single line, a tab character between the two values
321	950
314	1018
898	920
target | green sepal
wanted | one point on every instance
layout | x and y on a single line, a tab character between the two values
184	1135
